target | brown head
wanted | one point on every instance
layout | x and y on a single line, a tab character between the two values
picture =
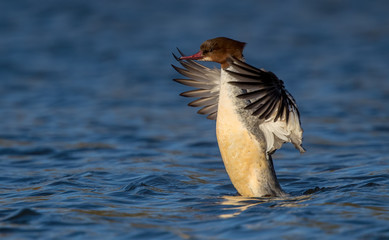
218	50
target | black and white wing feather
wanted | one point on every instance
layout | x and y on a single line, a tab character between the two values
268	100
206	81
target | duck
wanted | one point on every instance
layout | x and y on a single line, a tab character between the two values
255	114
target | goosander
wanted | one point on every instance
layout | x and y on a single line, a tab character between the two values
254	113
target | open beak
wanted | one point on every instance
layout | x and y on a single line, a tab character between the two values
195	56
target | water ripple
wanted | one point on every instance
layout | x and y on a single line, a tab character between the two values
96	143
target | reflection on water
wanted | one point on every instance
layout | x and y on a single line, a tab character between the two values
240	204
96	143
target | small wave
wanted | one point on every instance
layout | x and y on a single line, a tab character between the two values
23	216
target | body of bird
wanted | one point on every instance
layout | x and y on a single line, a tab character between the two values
254	114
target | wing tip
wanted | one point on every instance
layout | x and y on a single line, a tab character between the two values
178	69
212	116
177	58
177	80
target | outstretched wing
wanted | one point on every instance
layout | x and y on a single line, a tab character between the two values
206	81
269	101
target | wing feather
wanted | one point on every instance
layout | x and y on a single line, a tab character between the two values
205	80
269	101
197	93
208	109
205	101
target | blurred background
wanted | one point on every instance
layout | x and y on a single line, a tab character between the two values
96	142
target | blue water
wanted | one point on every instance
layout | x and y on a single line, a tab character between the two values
96	143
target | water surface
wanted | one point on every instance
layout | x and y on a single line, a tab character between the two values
96	143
